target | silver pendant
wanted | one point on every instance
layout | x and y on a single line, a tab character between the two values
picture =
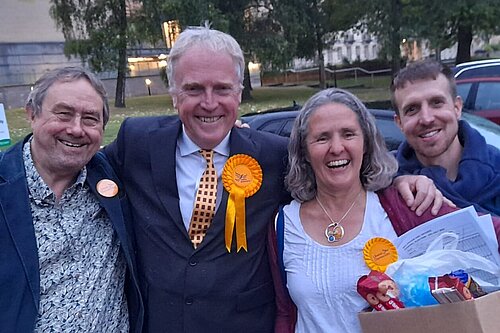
334	232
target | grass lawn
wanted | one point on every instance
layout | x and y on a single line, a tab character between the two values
263	98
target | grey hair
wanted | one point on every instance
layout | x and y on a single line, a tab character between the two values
210	39
65	74
378	167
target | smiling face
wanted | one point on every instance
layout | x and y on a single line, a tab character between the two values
207	96
68	130
428	116
335	147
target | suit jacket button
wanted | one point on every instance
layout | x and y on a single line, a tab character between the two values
189	301
193	262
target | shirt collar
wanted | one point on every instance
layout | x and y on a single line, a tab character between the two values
36	186
187	146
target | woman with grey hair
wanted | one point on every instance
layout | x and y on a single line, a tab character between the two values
340	174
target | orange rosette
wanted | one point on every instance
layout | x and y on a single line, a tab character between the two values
242	178
379	253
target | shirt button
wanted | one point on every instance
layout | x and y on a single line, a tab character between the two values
189	301
193	262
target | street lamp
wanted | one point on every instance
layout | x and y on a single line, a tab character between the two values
148	84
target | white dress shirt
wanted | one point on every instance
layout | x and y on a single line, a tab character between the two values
189	167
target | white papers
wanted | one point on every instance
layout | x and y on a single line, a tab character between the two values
475	234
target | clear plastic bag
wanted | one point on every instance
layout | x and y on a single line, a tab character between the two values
441	258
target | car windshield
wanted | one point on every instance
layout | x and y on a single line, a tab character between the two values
489	130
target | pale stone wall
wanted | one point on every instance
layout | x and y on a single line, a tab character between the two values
25	21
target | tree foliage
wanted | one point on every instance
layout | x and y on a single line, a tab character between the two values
311	26
448	21
96	31
249	22
442	22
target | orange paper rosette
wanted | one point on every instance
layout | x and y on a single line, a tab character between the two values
242	178
379	253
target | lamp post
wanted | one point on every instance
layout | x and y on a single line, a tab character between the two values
148	84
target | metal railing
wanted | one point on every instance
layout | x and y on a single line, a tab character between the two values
345	70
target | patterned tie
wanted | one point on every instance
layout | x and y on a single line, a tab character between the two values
204	205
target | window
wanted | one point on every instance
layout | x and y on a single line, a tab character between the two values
463	90
339	54
272	126
349	52
488	96
287	129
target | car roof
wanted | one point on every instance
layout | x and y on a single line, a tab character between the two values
293	110
489	130
479	79
487	69
476	62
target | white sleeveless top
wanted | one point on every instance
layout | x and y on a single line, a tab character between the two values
322	279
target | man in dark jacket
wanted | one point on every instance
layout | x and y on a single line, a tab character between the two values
438	144
65	250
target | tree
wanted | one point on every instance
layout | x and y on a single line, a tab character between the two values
246	20
385	20
441	22
96	31
310	26
447	21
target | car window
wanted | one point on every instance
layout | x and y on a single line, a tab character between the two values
488	96
391	132
463	90
272	126
287	129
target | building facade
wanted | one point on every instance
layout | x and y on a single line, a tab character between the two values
31	44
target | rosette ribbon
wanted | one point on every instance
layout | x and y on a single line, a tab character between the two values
242	178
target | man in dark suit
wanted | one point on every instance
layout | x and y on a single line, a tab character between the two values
65	251
203	279
200	287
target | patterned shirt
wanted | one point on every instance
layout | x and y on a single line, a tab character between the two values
82	271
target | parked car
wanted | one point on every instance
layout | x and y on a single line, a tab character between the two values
481	96
480	68
280	121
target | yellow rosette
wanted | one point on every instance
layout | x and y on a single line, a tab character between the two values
242	178
379	253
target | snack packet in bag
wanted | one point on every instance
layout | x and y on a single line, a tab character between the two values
412	274
380	291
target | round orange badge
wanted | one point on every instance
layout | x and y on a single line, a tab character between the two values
379	253
243	172
107	188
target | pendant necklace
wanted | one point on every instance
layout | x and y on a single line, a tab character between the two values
335	231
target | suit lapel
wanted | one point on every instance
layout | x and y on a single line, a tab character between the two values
239	143
15	207
95	173
162	147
